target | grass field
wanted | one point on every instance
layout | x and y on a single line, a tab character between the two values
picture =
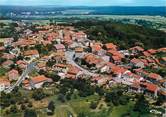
121	109
80	105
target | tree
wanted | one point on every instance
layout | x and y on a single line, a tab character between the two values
38	94
30	104
99	90
13	109
2	60
30	113
93	105
23	107
68	96
54	76
50	63
61	97
123	100
142	105
160	99
81	114
51	108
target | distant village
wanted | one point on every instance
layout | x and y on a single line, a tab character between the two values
69	53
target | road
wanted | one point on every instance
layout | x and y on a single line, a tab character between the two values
69	56
28	69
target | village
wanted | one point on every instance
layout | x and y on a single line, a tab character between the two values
69	53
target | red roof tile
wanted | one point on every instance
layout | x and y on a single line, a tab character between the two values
31	52
151	87
110	46
154	76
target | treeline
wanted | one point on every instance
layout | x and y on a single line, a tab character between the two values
124	35
8	31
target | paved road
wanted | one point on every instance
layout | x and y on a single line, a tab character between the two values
69	56
28	69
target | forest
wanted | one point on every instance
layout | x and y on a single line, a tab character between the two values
124	35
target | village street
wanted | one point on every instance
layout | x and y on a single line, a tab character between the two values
69	56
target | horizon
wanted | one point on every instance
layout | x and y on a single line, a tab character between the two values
90	3
80	6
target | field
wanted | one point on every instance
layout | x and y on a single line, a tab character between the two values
80	105
157	22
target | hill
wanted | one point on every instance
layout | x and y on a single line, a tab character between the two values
124	35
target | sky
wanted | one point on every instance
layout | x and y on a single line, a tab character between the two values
85	2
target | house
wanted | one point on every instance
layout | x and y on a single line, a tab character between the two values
141	72
79	50
105	69
135	87
96	48
146	53
21	64
8	41
13	75
92	61
8	56
144	87
137	63
80	36
96	79
31	54
106	58
136	50
59	47
24	42
110	46
100	80
16	52
129	77
2	48
149	89
52	36
115	56
162	82
28	32
67	40
7	64
74	45
152	51
59	57
162	61
79	53
125	53
145	61
45	43
162	92
36	82
162	49
72	72
41	66
4	84
44	58
60	67
116	59
117	70
153	77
